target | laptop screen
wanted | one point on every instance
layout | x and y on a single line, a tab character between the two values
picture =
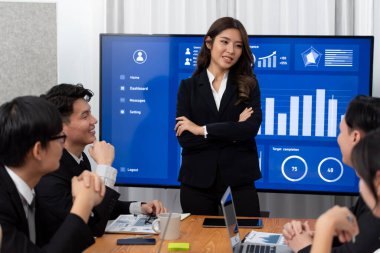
228	208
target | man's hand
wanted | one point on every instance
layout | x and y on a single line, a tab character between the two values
154	207
102	152
88	187
90	180
85	194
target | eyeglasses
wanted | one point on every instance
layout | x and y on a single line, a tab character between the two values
149	219
61	138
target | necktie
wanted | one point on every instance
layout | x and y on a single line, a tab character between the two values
31	221
83	166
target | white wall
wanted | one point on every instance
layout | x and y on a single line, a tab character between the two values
79	24
81	21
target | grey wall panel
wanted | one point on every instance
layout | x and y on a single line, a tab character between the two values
28	48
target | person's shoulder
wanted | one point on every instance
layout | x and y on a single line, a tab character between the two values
190	80
360	207
365	216
196	79
188	84
4	184
67	162
2	174
65	170
5	180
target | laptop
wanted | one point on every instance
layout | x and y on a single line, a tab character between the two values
238	246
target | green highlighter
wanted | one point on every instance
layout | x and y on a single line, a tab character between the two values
178	246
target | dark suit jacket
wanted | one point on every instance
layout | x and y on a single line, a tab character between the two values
369	232
230	145
72	236
54	192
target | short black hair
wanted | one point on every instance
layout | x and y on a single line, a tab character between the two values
64	95
23	122
363	113
366	159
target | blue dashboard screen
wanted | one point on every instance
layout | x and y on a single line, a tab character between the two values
306	84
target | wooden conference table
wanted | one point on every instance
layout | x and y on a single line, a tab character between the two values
210	240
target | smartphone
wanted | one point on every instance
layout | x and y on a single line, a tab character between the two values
136	241
244	223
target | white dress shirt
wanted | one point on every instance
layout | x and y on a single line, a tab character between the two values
218	94
23	189
27	198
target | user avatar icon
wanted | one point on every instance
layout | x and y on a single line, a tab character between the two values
187	63
187	51
140	56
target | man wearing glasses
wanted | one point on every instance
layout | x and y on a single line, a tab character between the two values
54	189
31	144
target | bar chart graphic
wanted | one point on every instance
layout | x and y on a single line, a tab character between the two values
309	115
271	57
269	61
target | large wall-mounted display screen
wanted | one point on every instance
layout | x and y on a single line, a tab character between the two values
306	84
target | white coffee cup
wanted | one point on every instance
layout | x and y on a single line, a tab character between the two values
172	231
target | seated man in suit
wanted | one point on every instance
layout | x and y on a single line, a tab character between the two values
31	144
54	188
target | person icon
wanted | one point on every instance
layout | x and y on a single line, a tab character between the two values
187	63
187	51
139	56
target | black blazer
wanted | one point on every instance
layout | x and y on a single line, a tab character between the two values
72	236
230	145
54	192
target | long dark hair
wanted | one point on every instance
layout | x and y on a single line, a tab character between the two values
242	71
366	159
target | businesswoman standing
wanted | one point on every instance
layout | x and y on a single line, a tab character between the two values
218	116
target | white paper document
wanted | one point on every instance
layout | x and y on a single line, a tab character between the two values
265	238
140	224
132	224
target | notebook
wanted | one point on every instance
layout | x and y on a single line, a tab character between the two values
229	213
